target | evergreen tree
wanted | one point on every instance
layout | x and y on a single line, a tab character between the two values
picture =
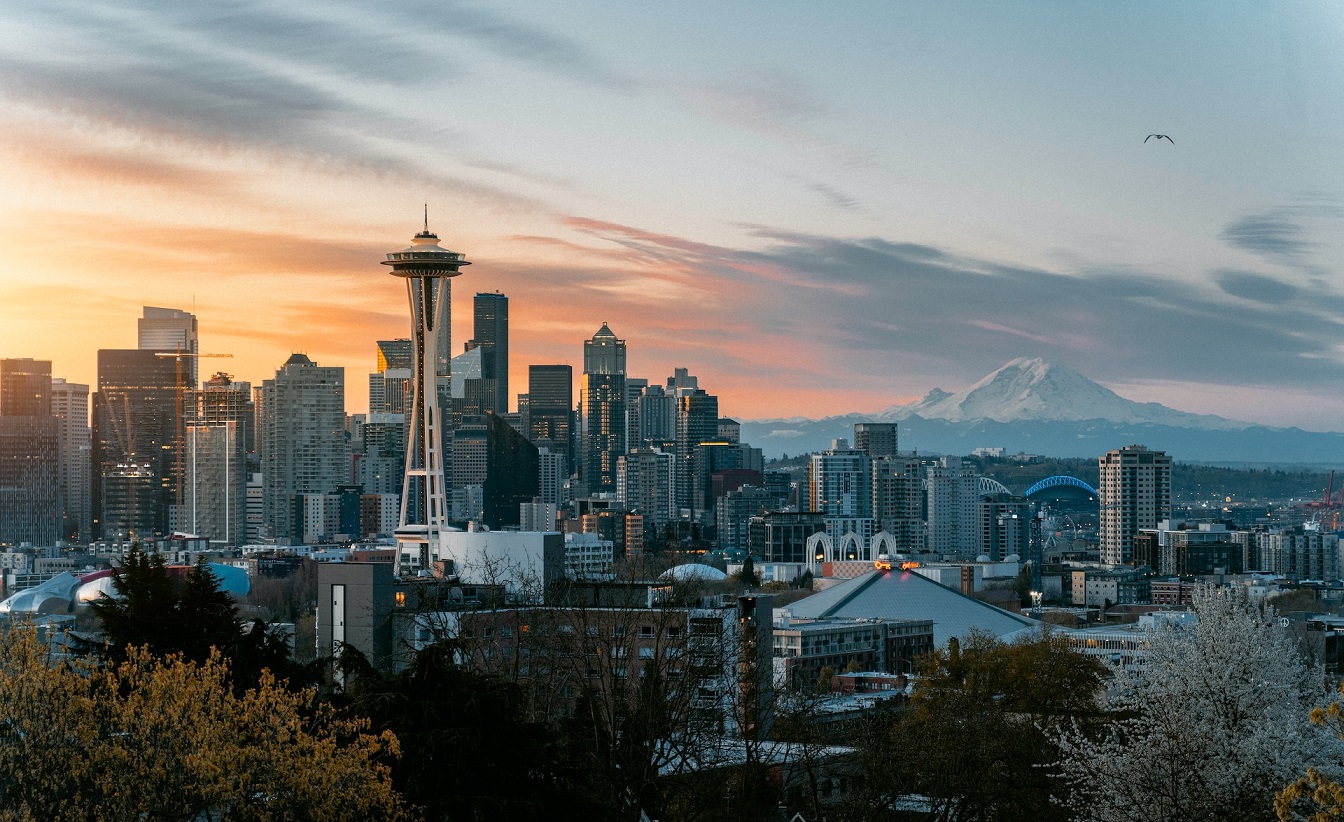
748	576
193	618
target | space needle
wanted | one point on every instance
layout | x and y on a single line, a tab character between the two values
428	269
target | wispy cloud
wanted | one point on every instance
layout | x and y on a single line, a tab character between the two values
1272	235
856	306
1256	287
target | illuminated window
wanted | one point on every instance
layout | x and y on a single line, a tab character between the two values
401	599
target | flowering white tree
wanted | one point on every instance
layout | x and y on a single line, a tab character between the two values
1211	726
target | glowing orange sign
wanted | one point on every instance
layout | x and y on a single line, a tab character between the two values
909	566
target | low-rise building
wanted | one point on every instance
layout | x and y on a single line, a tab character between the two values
803	647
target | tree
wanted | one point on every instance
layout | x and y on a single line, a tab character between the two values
1318	796
469	749
748	576
193	618
975	742
158	738
1206	728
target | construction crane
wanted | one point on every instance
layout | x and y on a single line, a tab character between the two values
178	356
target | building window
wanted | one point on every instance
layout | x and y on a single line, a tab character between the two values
400	598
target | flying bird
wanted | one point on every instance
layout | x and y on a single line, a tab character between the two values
1160	137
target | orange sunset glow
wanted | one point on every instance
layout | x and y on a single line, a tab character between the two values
839	232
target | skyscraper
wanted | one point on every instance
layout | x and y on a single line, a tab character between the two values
135	434
550	403
644	484
898	501
428	269
301	438
953	509
840	489
602	411
1134	493
218	420
490	330
387	385
74	445
29	510
696	420
657	417
170	329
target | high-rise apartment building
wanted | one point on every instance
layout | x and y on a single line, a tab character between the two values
29	498
550	404
552	476
136	430
490	332
953	509
301	439
877	439
381	445
839	482
1134	493
602	411
74	446
898	501
840	489
218	422
1005	526
644	484
170	329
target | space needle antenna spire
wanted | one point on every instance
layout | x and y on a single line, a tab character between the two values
428	269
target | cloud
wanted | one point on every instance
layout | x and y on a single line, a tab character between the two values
837	198
1272	235
520	42
774	102
1255	287
858	312
206	86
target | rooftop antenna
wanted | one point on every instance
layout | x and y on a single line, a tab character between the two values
426	218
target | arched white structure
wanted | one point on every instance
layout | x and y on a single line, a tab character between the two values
992	486
851	549
820	549
884	543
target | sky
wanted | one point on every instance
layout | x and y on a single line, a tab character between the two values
816	208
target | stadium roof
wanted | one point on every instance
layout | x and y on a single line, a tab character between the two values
897	594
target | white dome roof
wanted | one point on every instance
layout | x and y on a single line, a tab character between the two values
693	570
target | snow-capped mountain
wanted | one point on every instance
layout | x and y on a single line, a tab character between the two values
1032	406
1035	390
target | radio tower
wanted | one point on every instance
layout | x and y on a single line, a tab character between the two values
428	269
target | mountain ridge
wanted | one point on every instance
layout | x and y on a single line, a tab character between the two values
1031	406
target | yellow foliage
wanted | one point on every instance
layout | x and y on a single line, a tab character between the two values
1315	797
164	738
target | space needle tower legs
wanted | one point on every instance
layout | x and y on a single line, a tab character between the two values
428	269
